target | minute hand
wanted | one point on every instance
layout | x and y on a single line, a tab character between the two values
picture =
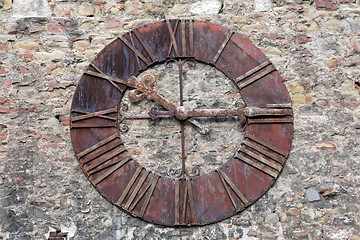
216	112
184	113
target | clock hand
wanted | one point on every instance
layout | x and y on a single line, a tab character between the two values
183	113
257	111
145	90
142	90
155	114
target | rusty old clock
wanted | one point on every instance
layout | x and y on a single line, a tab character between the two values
216	129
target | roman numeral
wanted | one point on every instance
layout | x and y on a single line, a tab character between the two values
185	51
103	155
173	40
149	189
111	80
225	179
221	49
271	113
138	54
187	199
190	37
103	114
265	157
254	74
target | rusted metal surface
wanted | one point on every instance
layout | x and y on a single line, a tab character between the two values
188	199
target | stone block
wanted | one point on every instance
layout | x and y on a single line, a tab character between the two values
263	5
302	39
298	99
179	9
134	8
4	110
273	50
312	195
32	29
136	23
327	4
252	27
110	24
206	7
326	145
239	19
272	219
31	8
63	10
81	44
4	46
313	14
49	55
7	4
295	87
357	113
4	70
153	8
86	9
333	25
26	46
332	63
56	28
307	27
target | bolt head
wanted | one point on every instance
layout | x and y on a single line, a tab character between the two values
182	113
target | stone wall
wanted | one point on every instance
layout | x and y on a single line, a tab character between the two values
46	45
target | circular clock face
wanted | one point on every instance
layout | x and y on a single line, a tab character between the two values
181	122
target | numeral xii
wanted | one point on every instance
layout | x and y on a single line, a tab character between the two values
186	40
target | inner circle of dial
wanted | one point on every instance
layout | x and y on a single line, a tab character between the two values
154	136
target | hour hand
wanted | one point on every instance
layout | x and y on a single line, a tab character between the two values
145	89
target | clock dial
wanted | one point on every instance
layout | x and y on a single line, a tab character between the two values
181	122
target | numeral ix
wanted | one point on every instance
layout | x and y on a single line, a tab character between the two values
109	120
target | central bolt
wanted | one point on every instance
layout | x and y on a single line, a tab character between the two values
181	113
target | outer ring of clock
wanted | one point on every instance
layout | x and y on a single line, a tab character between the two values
199	200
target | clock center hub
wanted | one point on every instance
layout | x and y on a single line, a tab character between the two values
182	113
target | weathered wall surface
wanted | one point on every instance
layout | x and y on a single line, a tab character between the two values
315	45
